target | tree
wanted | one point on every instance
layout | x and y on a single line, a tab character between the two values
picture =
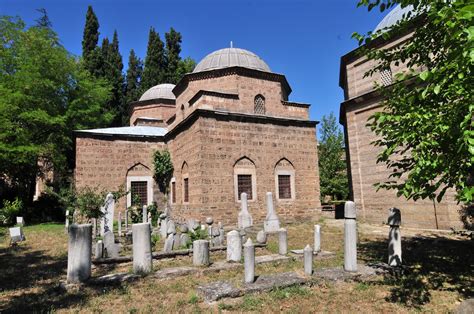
332	166
134	73
163	169
43	21
45	94
426	130
90	40
112	72
173	49
155	68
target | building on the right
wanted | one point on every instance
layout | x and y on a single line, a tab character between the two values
362	100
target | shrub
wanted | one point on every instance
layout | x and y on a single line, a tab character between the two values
9	211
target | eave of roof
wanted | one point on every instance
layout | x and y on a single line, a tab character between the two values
128	131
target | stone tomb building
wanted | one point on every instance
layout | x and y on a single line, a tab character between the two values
361	101
229	128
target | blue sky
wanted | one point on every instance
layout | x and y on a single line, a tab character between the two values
302	39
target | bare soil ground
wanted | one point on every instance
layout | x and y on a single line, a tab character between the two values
438	278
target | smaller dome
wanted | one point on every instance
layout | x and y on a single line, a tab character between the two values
393	17
230	57
164	91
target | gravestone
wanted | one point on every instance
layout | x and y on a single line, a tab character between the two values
193	224
244	219
177	242
164	226
185	239
111	248
350	237
142	257
221	234
16	235
107	221
394	238
261	237
144	214
234	246
308	260
20	221
171	227
168	247
271	223
66	224
201	253
249	261
79	253
317	238
99	249
126	220
282	241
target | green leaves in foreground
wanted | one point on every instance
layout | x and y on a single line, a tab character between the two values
427	129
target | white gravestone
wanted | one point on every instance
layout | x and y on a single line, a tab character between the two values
249	261
282	241
350	237
66	225
234	246
245	219
79	260
317	238
308	260
201	253
271	223
144	214
142	256
394	238
16	235
20	221
107	221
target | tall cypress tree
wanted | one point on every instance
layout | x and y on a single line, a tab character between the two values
89	41
173	49
155	68
112	72
134	73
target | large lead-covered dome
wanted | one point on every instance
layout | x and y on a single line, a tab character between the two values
229	57
393	17
163	91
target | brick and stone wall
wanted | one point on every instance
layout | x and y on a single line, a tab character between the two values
212	146
105	162
362	155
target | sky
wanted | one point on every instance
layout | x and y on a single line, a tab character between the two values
302	39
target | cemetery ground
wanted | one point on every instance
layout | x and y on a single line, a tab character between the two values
438	276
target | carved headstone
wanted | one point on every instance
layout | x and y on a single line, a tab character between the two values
271	223
261	237
111	248
107	221
169	243
244	219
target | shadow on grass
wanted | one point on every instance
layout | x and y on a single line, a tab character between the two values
30	282
431	264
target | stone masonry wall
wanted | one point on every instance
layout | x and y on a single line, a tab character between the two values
372	205
212	146
105	162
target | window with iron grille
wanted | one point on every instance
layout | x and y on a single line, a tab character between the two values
386	76
186	190
259	103
139	193
244	185
284	186
173	192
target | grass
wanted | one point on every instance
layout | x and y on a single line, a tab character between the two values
438	276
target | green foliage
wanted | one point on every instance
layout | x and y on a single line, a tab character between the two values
90	39
426	131
155	66
198	234
155	213
45	94
193	299
9	211
89	200
332	166
289	292
134	73
155	238
163	169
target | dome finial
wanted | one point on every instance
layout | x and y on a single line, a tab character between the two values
231	44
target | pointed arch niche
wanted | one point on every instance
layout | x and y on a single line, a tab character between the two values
285	180
185	178
139	184
245	179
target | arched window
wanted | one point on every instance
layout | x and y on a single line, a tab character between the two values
185	176
284	180
245	179
259	104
